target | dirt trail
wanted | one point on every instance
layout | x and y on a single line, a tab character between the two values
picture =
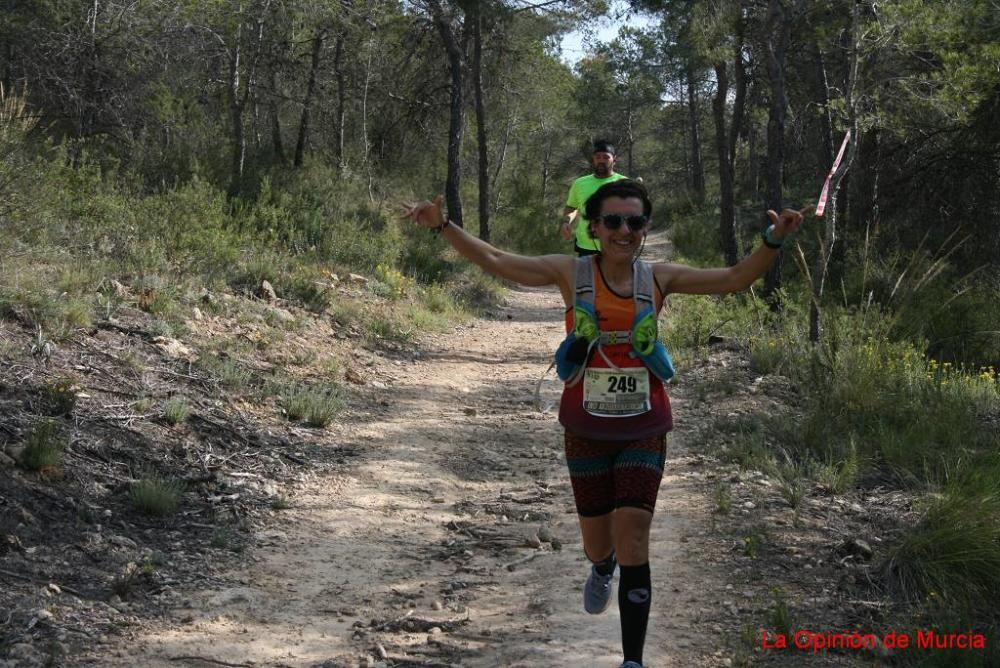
410	557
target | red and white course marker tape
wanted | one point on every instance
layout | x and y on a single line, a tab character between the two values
833	170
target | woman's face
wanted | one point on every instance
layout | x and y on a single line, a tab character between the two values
624	241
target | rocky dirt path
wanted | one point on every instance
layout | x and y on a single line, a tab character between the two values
451	538
451	541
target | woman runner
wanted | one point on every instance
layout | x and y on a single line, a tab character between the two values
615	455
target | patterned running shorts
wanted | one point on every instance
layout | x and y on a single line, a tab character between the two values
615	474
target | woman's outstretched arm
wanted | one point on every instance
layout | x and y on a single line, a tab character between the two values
681	279
526	270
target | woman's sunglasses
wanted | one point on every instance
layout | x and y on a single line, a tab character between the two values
613	221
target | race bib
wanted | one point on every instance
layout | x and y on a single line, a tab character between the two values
610	393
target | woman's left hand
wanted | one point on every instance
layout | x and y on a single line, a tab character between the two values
788	221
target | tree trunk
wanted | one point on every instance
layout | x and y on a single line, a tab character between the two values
317	53
239	147
456	120
826	147
501	158
477	78
276	140
726	142
338	69
697	165
546	160
630	142
364	115
242	80
822	266
779	36
739	111
727	204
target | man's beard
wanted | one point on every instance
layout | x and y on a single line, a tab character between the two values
602	171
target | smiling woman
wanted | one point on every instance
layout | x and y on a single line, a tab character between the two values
614	408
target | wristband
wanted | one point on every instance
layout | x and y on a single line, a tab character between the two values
770	241
440	228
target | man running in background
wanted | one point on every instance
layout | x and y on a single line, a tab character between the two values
575	225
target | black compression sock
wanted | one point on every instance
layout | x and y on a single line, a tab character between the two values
634	594
606	566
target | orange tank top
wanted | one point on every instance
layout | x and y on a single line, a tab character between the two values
615	312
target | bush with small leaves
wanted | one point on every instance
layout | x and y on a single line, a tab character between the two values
59	398
156	496
281	502
44	446
176	410
315	406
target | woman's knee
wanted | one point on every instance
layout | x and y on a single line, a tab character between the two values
598	541
631	533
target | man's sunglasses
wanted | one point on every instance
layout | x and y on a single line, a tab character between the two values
613	221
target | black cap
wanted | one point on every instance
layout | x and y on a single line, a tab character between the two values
603	146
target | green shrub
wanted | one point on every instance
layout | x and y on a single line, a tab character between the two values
315	406
755	540
308	291
927	300
906	412
259	266
438	300
425	320
176	410
398	285
792	482
953	552
696	238
43	446
193	221
59	398
531	230
959	324
768	354
841	475
391	327
690	320
31	301
477	291
723	500
346	313
425	256
281	502
748	448
779	617
17	121
157	496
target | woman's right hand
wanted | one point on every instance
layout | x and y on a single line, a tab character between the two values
426	214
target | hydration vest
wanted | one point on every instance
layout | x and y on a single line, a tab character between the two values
586	338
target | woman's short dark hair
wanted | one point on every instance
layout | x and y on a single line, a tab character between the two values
624	188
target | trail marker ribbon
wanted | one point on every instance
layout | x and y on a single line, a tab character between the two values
833	170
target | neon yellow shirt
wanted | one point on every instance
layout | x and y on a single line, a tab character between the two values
579	193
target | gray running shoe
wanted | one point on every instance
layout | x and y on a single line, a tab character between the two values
630	664
597	592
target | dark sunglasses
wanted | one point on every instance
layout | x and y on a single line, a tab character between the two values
613	221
